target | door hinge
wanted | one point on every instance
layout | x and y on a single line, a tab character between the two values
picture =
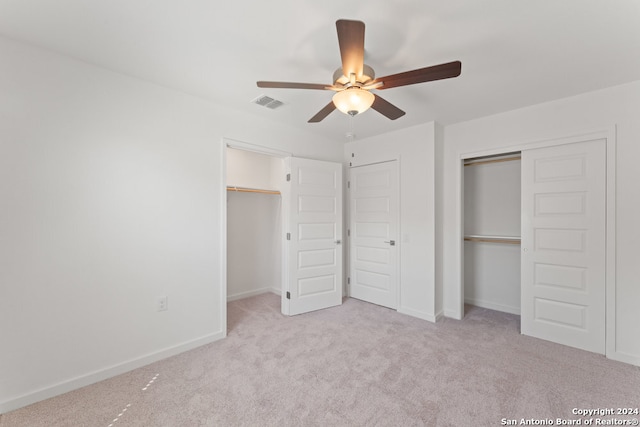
348	280
348	184
288	236
288	295
350	164
288	177
348	232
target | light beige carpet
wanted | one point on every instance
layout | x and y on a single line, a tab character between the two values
357	364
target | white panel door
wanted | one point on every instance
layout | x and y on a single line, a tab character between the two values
563	244
314	247
374	233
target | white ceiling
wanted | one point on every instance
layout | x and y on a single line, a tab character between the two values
514	53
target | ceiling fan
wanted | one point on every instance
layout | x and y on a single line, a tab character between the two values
354	81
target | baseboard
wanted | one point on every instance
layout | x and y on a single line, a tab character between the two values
253	293
492	306
417	313
277	291
103	374
624	358
452	314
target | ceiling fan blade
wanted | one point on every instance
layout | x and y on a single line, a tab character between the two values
351	42
386	108
421	75
289	85
323	113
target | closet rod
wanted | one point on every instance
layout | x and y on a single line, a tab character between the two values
252	190
484	162
493	239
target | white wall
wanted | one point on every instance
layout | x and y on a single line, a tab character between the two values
253	170
415	149
492	208
492	276
111	195
492	199
581	114
254	244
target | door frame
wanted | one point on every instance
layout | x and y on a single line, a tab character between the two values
609	135
398	227
259	149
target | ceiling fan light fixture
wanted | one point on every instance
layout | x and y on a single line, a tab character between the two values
353	100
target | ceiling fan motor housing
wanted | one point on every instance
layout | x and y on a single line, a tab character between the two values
339	79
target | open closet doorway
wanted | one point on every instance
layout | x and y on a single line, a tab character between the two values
282	228
492	232
254	223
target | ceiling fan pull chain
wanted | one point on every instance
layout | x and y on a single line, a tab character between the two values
351	134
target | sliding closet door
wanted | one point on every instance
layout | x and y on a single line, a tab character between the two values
314	246
563	244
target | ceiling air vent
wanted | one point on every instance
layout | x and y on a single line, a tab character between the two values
267	101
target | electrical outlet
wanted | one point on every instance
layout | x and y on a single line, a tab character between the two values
163	303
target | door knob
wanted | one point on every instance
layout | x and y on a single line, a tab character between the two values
391	242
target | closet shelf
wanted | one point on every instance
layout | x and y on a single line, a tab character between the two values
252	190
511	240
472	162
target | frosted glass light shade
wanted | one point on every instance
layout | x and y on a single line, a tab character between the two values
353	101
